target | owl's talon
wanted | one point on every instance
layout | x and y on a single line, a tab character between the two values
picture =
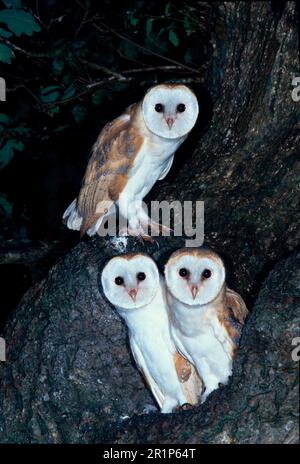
185	407
144	132
165	228
156	228
160	228
148	238
141	235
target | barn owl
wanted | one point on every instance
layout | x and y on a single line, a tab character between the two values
206	316
131	153
133	285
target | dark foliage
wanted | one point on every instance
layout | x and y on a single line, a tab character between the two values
69	68
69	374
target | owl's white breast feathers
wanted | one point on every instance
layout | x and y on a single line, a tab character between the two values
204	341
152	162
200	322
154	350
152	319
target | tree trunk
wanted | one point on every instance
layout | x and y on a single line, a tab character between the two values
69	375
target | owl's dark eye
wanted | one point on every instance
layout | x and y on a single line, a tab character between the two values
159	108
206	274
181	107
141	276
183	272
119	281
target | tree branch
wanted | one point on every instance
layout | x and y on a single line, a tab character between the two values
106	70
122	78
24	52
147	50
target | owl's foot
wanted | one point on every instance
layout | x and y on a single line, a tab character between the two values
148	238
206	394
185	407
160	228
138	233
156	228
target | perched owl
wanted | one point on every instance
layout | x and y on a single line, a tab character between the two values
130	155
133	285
206	316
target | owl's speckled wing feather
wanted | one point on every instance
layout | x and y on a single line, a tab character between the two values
235	302
232	315
189	379
106	175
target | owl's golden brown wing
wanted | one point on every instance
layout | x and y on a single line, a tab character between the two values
189	379
232	314
107	172
235	302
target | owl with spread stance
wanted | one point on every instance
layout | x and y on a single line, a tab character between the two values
133	285
206	316
130	155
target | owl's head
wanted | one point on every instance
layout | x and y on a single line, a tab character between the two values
194	276
130	281
170	111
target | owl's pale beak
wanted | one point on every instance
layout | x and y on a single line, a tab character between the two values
132	293
170	121
194	290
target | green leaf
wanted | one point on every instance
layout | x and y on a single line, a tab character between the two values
69	92
12	3
59	50
19	22
79	113
133	21
168	9
5	204
54	110
129	50
59	129
24	131
6	53
188	57
58	65
98	96
120	86
50	94
5	34
4	119
173	38
7	151
149	24
187	25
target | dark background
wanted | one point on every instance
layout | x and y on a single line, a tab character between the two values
69	68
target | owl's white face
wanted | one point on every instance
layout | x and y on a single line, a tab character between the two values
170	111
130	281
194	280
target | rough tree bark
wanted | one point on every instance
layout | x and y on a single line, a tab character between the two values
69	376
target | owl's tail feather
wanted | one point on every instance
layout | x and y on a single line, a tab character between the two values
71	217
91	224
86	224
